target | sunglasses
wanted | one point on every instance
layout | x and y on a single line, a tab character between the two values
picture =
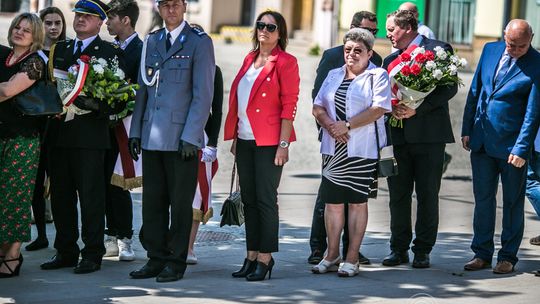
269	26
374	31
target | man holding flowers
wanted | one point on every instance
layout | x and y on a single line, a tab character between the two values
79	143
500	122
420	133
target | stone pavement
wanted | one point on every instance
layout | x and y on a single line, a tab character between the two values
222	250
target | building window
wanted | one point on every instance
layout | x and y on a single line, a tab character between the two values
453	20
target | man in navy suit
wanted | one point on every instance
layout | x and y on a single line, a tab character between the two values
331	59
500	121
419	151
121	23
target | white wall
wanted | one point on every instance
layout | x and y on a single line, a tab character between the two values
489	15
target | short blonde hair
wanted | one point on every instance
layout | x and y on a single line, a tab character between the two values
37	30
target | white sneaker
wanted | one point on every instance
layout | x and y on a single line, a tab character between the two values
126	253
191	259
111	247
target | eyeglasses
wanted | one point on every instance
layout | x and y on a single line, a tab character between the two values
269	26
374	31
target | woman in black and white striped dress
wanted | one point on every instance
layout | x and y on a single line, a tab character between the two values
351	100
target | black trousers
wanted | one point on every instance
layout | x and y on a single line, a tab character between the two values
38	200
73	171
420	169
259	180
169	188
317	238
118	204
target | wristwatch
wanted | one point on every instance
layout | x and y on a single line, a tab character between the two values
284	144
348	125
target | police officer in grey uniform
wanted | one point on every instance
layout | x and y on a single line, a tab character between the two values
171	110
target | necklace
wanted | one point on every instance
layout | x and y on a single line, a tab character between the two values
8	59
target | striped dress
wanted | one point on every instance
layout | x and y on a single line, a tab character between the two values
346	179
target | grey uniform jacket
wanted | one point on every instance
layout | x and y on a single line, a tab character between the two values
177	106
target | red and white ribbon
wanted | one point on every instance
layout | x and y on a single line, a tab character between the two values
79	83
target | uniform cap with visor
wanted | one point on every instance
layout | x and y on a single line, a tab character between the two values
92	7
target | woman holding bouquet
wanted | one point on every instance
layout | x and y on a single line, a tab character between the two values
351	101
262	107
19	139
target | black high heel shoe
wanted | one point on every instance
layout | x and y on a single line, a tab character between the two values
248	267
260	272
12	272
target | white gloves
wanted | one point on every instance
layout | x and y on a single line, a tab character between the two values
209	154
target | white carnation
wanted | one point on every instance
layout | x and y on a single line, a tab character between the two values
454	59
452	69
419	50
437	74
430	65
441	54
120	74
102	61
463	62
98	68
437	49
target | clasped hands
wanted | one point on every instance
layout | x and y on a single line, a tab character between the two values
186	150
401	111
338	131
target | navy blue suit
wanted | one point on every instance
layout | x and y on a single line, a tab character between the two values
501	120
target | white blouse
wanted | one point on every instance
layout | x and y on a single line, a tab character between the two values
371	88
244	90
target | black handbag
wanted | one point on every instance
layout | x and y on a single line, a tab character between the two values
386	163
232	211
41	99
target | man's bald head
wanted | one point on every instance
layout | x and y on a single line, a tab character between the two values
518	35
409	6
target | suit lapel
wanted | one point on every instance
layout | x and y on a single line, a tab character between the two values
93	47
268	67
247	64
492	68
161	45
180	40
68	55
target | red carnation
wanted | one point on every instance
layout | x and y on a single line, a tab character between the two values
85	58
429	55
416	69
406	70
420	58
395	102
405	57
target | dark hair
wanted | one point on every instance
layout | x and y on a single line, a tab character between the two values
281	27
55	10
129	9
403	19
359	16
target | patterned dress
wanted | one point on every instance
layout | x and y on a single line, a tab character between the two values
346	179
19	156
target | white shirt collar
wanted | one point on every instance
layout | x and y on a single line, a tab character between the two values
85	42
123	44
176	32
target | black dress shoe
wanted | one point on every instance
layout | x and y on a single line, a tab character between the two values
421	260
260	272
363	259
169	274
149	270
86	266
395	258
38	244
315	257
59	261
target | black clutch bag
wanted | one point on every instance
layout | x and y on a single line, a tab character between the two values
386	164
232	212
41	99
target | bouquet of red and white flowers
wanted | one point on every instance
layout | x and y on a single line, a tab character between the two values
97	78
415	74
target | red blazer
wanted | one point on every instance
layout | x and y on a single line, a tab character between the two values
273	97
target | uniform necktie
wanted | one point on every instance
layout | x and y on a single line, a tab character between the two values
505	66
168	42
78	51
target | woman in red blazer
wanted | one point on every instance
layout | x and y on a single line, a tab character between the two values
262	107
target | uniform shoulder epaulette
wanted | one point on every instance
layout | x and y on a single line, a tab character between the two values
156	31
198	31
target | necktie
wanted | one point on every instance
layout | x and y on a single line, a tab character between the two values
168	42
78	50
505	66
